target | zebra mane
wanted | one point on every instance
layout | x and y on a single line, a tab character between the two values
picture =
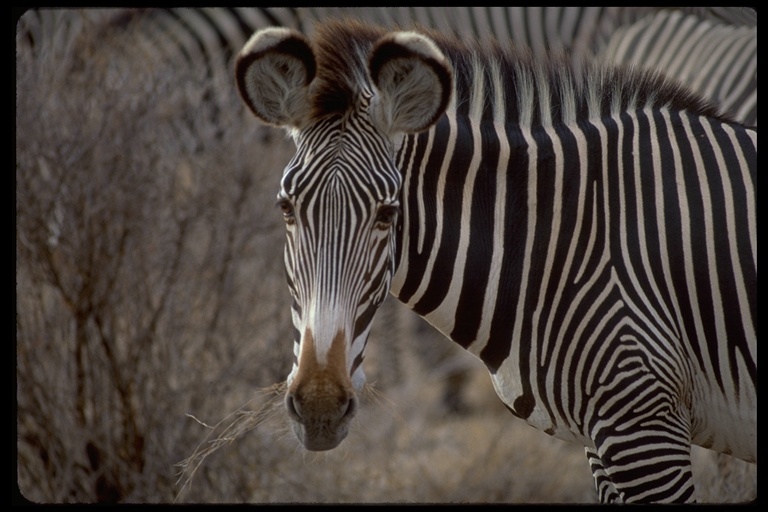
534	92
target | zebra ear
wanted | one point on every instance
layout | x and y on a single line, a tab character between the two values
413	79
273	72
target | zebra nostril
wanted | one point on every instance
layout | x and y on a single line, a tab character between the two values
290	405
344	413
351	410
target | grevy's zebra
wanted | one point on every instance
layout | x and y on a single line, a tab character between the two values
590	236
716	59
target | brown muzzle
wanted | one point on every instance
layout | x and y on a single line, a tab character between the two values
320	400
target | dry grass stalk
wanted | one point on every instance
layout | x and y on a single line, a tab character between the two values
229	429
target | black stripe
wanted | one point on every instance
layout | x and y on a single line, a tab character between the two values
417	262
476	271
442	271
515	222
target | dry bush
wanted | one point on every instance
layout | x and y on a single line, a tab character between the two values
153	318
148	264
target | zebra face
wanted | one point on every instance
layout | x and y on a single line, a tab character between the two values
339	200
346	108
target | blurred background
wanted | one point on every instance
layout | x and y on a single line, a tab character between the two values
152	317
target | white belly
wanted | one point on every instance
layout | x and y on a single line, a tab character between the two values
725	424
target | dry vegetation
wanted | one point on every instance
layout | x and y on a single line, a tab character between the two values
153	326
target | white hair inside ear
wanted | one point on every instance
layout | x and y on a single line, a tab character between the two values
273	72
413	82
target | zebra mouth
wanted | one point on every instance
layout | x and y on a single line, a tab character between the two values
319	440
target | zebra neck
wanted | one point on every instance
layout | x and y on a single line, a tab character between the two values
478	202
453	180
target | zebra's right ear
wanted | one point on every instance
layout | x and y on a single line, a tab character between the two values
273	72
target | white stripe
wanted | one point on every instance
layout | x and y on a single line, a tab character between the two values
554	233
733	242
642	243
709	233
494	276
595	336
402	271
587	254
581	144
686	237
445	315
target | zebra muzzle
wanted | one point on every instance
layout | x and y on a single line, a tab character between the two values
321	422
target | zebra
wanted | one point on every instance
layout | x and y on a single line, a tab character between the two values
206	39
737	16
714	58
580	33
208	36
589	234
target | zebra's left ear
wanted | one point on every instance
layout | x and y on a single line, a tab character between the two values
413	80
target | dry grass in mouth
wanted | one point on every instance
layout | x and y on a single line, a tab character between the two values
265	406
230	428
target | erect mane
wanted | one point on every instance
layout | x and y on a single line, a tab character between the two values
342	48
535	91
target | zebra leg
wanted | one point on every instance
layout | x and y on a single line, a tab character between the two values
644	459
606	492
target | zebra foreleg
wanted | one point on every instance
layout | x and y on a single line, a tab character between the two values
643	461
606	492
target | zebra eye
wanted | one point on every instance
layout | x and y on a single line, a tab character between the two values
386	215
287	208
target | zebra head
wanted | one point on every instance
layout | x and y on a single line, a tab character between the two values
347	110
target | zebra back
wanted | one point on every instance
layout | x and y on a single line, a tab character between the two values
712	57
